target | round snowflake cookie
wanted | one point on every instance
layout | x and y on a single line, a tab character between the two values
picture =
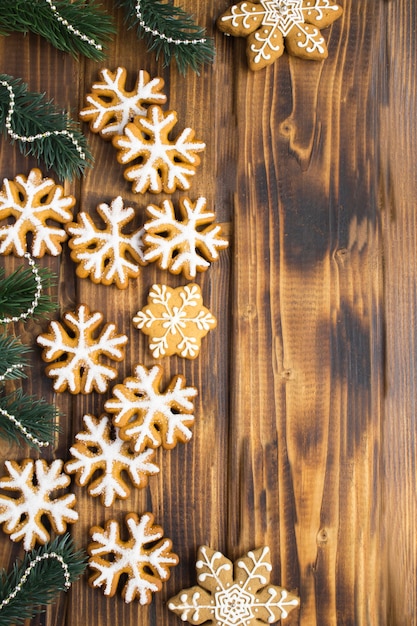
158	163
24	516
31	210
78	351
145	558
271	25
110	106
238	594
185	241
107	255
175	320
100	457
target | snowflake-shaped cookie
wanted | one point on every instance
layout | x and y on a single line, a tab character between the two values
160	164
268	23
187	244
145	558
32	207
98	450
78	352
175	320
107	255
233	595
24	517
148	416
111	106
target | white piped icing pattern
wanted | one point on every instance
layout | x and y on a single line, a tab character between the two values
175	320
268	23
233	596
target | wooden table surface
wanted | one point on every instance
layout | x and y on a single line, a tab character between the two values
304	438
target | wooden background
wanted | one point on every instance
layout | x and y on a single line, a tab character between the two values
305	421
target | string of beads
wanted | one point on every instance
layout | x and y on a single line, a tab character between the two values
28	570
18	318
30	311
39	136
9	370
71	28
23	430
160	35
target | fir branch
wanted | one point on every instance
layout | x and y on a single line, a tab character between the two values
18	294
170	31
76	28
41	129
29	417
13	358
37	580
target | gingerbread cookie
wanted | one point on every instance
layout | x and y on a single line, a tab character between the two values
145	558
78	352
175	320
31	208
238	594
149	416
110	106
24	517
271	25
107	255
101	453
186	241
159	163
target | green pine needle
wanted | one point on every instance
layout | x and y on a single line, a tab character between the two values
174	23
43	584
23	416
36	417
34	115
37	17
17	292
13	358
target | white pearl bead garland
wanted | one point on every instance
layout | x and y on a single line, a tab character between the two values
18	318
23	430
35	301
39	136
27	572
9	370
159	35
71	28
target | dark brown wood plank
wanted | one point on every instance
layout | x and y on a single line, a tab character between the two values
398	151
306	413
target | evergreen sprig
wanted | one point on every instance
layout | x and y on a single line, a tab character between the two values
171	32
17	292
13	358
46	579
23	416
36	16
63	147
37	419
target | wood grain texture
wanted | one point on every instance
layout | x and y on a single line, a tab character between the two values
304	437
